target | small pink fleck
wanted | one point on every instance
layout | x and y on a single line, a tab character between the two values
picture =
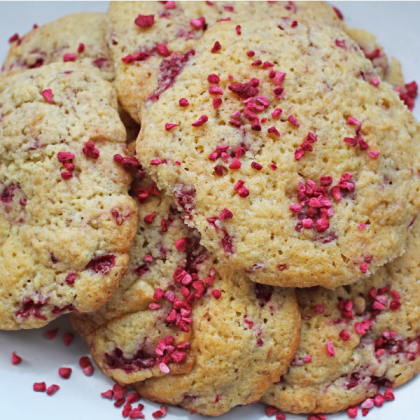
170	5
183	102
216	293
217	102
216	47
250	53
319	309
238	29
39	387
292	119
215	90
243	192
169	126
156	162
344	335
373	154
361	227
14	38
270	411
16	360
380	353
279	78
363	268
353	121
145	21
256	63
81	48
330	349
48	95
148	219
213	78
375	81
257	166
225	214
276	113
389	395
51	334
236	164
154	306
367	404
198	23
307	359
164	368
203	119
352	412
69	57
273	167
181	245
273	130
65	372
52	389
107	394
278	92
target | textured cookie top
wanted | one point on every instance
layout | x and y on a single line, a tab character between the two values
295	163
358	339
66	219
139	46
208	340
78	37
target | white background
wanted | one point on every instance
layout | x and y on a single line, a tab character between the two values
396	25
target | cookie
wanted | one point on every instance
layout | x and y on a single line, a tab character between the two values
138	49
183	332
66	219
356	340
313	180
77	37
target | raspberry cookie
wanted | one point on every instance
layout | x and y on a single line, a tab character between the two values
66	219
142	34
182	332
295	172
356	341
78	37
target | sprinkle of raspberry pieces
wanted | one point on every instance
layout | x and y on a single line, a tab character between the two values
65	372
16	360
69	57
163	49
344	335
395	305
148	219
145	21
216	47
48	95
213	78
51	334
351	141
90	150
81	48
119	402
373	154
292	119
226	214
330	349
198	23
52	389
216	293
278	92
67	338
236	164
238	29
203	119
353	121
243	192
86	365
169	126
39	387
389	395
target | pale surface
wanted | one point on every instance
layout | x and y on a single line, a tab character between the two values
80	395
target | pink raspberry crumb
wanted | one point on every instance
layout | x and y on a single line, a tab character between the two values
107	394
361	227
215	90
389	395
65	372
353	121
48	95
280	416
363	268
270	411
69	57
276	113
164	368
145	21
81	48
292	119
52	389
216	293
307	359
16	360
273	130
344	335
203	119
216	47
39	387
257	166
225	214
136	414
198	23
169	126
352	412
181	245
183	102
238	29
319	309
330	349
217	102
119	402
375	81
51	333
373	154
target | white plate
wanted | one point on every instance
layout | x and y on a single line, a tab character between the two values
397	28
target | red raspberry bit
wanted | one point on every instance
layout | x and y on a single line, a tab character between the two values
107	394
236	164
90	151
65	372
69	57
132	398
198	23
119	402
344	335
278	92
69	166
52	389
148	219
273	130
216	47
145	21
16	360
169	126
353	121
154	306
243	192
263	100
238	185
238	29
318	309
363	268
81	48
330	349
280	416
170	5
395	294
256	63
51	334
295	208
307	359
373	154
362	144
352	412
136	414
67	338
126	410
375	81
243	90
267	65
219	170
376	305
13	38
257	166
181	245
307	223
183	102
217	102
178	163
215	90
380	353
389	395
270	411
322	225
292	119
66	175
256	125
279	78
48	95
236	114
351	141
335	191
367	404
203	119
163	49
395	305
272	74
276	113
86	365
326	181
379	400
239	151
163	367
250	53
299	153
158	295
39	387
225	214
264	120
119	391
216	293
213	78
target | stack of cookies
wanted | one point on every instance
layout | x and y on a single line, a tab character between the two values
223	195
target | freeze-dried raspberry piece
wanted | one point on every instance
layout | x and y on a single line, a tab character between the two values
90	151
216	47
108	394
67	338
48	95
51	334
169	126
51	390
39	387
81	48
145	21
69	57
216	293
202	120
64	372
243	90
16	360
183	102
102	264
